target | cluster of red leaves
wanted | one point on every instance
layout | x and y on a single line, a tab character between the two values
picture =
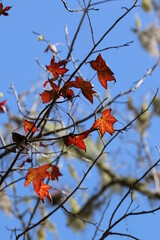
3	107
3	11
37	176
103	124
66	91
103	71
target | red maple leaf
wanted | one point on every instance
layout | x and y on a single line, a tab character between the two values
52	84
85	86
5	10
103	71
68	93
105	123
77	139
28	126
3	107
44	191
48	95
55	69
37	175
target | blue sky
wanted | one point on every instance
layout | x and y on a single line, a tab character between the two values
19	47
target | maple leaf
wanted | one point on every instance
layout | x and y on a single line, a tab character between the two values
66	92
3	107
43	191
105	123
55	69
103	71
52	84
85	86
54	173
37	175
48	95
77	139
28	126
5	10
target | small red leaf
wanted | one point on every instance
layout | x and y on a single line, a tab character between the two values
28	126
3	11
55	69
66	92
48	95
44	191
105	123
77	139
85	86
103	71
52	84
3	108
54	173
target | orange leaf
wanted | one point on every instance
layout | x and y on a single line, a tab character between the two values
5	10
55	69
43	192
77	140
28	126
48	95
103	71
37	175
3	107
105	123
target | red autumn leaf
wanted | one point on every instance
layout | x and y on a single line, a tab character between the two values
44	191
55	69
5	10
48	95
52	84
105	123
103	71
66	92
28	126
3	107
77	139
37	175
85	86
54	172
